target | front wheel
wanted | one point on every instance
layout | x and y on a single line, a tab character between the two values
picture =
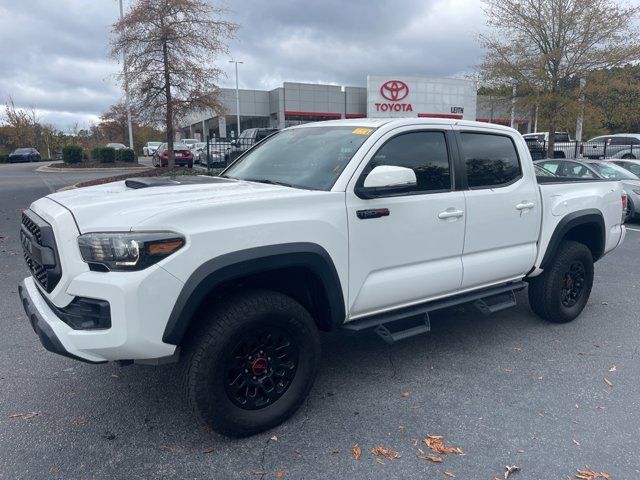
629	156
561	292
252	363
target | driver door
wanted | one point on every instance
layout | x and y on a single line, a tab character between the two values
405	247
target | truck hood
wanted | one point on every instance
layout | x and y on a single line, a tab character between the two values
117	207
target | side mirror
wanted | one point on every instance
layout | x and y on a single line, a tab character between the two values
388	176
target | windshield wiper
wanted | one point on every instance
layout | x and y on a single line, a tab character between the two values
270	182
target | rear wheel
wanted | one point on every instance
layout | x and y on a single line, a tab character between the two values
561	292
629	156
252	363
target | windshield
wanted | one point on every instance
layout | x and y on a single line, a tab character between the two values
308	157
154	144
201	144
22	150
613	172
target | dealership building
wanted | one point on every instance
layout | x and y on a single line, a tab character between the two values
384	96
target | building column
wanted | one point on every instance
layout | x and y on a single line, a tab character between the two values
222	125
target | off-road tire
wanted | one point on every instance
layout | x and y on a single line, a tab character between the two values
210	347
546	290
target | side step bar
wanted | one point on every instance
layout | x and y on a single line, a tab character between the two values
411	321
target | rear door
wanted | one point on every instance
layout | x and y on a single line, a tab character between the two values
503	211
412	252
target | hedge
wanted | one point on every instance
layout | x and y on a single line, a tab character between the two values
72	154
95	153
106	155
4	158
125	155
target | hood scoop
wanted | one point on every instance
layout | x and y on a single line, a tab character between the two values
146	182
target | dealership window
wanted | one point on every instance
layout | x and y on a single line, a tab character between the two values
490	160
423	152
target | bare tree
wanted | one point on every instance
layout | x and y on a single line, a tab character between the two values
24	125
547	46
170	47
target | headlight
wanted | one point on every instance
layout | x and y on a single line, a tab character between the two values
128	251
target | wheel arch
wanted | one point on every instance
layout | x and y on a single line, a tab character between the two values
584	226
304	267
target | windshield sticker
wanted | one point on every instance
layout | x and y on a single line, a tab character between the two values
362	131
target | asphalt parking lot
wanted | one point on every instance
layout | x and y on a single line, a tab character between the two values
507	390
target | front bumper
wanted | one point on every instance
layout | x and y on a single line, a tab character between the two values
29	298
140	304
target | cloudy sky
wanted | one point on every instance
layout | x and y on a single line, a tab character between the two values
54	54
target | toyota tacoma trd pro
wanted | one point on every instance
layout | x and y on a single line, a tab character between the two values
340	225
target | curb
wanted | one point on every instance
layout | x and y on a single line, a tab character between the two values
47	169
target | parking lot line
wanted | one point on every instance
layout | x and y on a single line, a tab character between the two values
634	229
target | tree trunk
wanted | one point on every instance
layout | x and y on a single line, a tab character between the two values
551	143
169	117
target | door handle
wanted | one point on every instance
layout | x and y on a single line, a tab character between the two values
450	213
525	205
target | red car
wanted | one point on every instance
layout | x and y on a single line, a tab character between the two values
181	152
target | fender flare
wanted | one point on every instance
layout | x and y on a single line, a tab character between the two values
243	263
574	219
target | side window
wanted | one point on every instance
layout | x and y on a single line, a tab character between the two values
577	171
620	140
551	166
423	152
490	160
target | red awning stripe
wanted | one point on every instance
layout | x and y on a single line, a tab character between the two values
312	114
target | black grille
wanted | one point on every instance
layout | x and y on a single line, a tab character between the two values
39	250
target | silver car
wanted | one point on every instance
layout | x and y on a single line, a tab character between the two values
619	145
599	169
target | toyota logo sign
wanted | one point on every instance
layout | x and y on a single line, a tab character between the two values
394	90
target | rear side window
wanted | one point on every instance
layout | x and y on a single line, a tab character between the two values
490	160
423	152
624	141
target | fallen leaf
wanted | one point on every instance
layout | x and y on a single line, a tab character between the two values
508	470
517	349
54	469
31	415
274	438
280	473
589	474
613	369
380	451
208	450
540	377
575	441
405	394
356	451
79	422
608	382
379	460
520	451
431	458
115	375
258	473
577	407
414	442
172	449
436	444
449	474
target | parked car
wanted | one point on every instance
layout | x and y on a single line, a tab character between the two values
218	153
24	155
564	147
603	170
619	145
182	156
536	147
248	139
331	226
115	146
632	165
150	148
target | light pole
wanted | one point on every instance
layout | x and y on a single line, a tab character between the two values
126	89
237	97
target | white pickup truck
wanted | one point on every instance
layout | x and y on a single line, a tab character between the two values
351	224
